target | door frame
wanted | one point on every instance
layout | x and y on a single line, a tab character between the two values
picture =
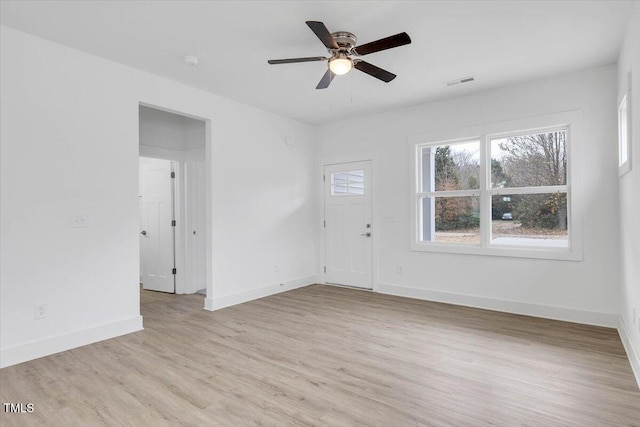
178	157
373	157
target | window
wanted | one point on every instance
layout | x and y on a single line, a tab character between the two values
348	183
529	189
624	135
450	190
495	193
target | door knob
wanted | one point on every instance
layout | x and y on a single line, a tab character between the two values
368	234
143	232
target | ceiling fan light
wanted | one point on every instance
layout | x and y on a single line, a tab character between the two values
340	65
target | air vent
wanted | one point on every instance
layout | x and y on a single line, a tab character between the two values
462	80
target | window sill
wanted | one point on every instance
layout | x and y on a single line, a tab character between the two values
560	254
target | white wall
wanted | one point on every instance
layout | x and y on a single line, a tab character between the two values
195	220
585	291
69	144
629	62
162	129
171	131
194	133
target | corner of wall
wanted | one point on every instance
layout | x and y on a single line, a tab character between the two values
632	353
629	208
224	301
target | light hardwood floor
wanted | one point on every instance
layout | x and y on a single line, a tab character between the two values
331	356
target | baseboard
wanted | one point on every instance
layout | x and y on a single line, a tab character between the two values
250	295
632	353
609	320
45	347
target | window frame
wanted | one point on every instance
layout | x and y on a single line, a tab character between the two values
624	132
567	121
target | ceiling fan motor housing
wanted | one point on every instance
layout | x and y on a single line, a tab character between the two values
345	40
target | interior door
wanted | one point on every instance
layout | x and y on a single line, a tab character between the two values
157	259
348	225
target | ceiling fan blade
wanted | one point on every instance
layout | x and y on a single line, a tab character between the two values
323	34
293	60
387	43
326	80
374	71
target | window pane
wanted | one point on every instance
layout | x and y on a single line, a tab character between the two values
339	189
623	130
530	220
356	182
356	188
339	178
533	160
451	219
451	167
356	176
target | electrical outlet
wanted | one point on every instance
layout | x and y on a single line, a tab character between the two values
40	311
399	269
80	221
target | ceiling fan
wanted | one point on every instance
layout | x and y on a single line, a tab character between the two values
345	55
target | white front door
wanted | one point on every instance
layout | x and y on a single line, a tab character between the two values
348	224
156	230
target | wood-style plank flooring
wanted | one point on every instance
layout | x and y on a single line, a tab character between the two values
331	356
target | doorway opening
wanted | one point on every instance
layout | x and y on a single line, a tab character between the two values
173	202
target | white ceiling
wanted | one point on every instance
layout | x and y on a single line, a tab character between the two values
498	42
